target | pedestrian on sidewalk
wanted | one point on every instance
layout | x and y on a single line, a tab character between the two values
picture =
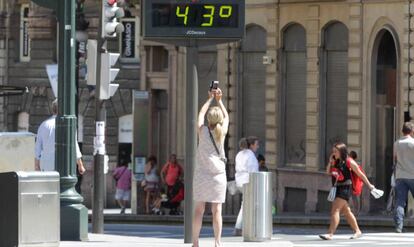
209	181
341	176
404	173
262	163
171	172
151	187
122	176
246	162
45	146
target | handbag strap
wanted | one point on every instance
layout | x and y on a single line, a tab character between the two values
122	173
214	143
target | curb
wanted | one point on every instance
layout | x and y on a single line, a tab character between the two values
279	220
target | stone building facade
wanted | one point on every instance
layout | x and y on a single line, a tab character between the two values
41	30
341	72
307	74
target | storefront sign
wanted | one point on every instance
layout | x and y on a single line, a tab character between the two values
24	34
129	40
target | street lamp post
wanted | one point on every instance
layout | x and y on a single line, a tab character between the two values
73	214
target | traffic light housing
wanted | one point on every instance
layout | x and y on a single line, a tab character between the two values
108	74
110	13
91	59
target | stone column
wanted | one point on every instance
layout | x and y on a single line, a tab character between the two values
312	89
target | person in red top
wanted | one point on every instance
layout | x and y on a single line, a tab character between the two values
171	172
171	200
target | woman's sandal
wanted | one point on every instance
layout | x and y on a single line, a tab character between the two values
356	235
325	236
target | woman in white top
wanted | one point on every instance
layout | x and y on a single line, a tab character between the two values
152	180
246	162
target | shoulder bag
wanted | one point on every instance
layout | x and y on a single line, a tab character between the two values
215	147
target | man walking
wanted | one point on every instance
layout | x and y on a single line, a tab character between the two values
45	145
404	159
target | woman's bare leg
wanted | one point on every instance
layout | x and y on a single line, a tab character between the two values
350	218
197	221
217	222
337	206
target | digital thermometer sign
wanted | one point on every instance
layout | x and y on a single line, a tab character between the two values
217	19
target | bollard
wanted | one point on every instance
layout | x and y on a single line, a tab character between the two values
257	207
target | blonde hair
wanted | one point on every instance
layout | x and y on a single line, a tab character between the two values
215	119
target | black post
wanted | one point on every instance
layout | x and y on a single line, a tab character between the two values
100	125
74	215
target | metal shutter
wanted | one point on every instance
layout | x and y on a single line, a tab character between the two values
254	97
336	98
293	97
253	87
295	108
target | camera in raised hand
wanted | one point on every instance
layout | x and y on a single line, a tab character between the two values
213	85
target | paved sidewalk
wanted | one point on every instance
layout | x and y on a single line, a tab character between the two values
103	240
311	220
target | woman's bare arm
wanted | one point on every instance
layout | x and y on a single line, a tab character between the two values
203	111
355	168
226	120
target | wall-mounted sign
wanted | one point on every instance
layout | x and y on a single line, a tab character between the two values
52	73
24	33
129	40
216	19
125	124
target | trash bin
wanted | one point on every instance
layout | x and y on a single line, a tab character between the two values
30	209
257	207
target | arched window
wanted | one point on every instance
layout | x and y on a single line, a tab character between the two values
293	114
253	85
334	86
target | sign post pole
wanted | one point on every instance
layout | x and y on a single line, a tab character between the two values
191	139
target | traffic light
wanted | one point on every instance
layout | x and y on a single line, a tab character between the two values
108	74
110	13
91	56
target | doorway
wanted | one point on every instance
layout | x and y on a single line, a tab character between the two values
159	119
384	90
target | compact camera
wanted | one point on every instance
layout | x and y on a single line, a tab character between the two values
214	85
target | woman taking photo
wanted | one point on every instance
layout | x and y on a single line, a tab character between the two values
341	176
209	182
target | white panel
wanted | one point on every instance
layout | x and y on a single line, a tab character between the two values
17	151
125	129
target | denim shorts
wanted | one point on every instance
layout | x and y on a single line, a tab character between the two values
344	192
124	195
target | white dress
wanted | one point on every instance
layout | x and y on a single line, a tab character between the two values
209	182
